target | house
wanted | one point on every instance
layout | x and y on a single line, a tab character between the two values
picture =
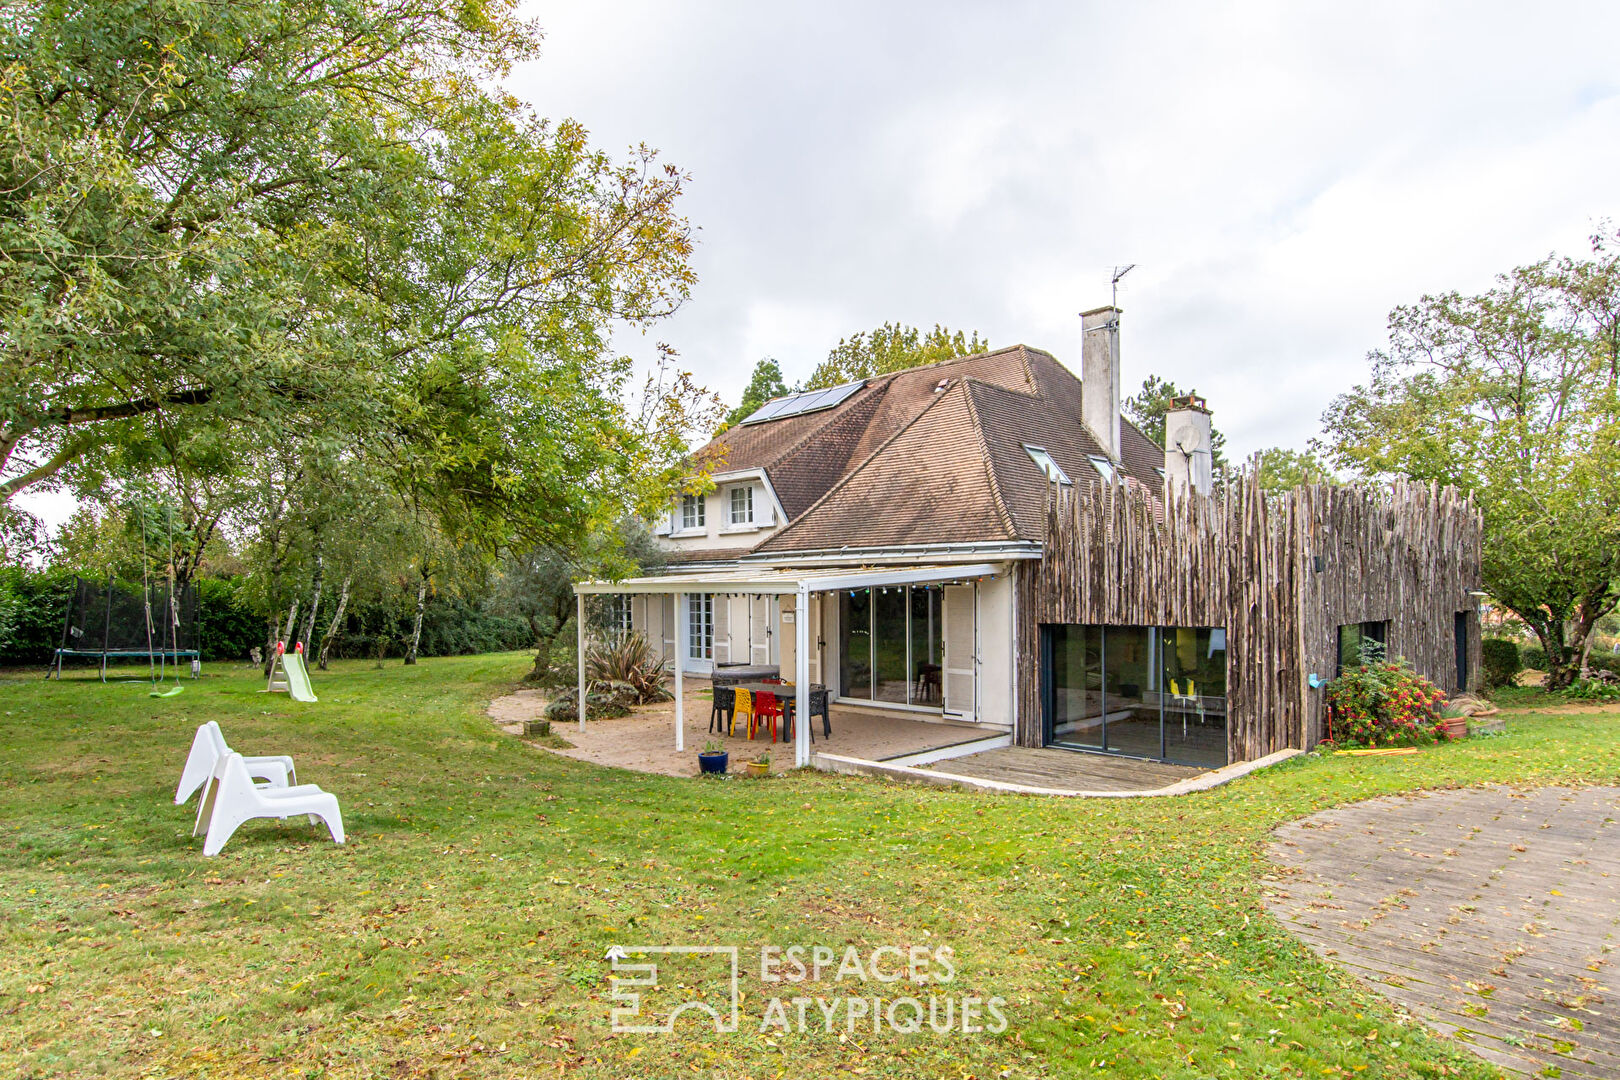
987	540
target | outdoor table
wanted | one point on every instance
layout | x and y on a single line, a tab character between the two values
783	691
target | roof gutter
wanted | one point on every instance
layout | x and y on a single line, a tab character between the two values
882	556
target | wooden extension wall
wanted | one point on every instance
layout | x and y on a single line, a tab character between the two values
1248	561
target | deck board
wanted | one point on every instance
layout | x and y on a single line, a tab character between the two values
1067	770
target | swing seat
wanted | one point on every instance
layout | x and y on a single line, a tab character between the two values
208	748
170	692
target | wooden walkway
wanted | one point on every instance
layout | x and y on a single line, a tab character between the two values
1065	769
1492	913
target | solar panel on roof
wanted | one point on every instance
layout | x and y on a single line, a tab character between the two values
806	402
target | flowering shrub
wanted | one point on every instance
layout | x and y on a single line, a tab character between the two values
1384	703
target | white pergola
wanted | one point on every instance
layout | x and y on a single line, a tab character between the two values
798	584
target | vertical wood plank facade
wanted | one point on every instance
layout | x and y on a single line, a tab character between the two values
1248	561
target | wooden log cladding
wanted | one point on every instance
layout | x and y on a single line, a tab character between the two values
1245	560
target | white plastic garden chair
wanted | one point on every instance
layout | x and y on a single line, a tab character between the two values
233	798
208	746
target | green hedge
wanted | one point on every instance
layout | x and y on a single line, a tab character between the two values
229	627
1502	662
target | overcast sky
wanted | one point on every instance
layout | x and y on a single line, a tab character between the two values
1282	174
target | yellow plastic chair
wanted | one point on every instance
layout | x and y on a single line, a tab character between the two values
744	711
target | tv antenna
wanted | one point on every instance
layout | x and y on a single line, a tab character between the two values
1119	272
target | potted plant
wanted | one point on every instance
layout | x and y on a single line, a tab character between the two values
713	757
1454	721
761	765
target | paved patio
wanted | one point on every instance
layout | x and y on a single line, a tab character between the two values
1492	913
645	740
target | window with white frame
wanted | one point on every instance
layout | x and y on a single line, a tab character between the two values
620	620
700	626
692	511
1054	472
1102	465
742	505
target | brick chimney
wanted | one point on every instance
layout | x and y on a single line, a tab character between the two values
1189	448
1099	376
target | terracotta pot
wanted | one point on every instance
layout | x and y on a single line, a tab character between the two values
1456	727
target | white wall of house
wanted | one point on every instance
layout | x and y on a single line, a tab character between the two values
741	511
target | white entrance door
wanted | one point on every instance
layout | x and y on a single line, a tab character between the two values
961	675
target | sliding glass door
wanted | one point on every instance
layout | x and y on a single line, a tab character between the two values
1141	691
891	643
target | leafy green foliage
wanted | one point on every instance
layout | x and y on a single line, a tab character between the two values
1147	409
1284	470
1383	703
890	348
628	659
767	383
1501	661
1512	396
1593	690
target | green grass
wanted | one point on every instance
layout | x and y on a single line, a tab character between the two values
461	930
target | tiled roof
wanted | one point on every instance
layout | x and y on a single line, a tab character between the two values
932	454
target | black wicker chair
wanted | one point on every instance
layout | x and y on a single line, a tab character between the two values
724	709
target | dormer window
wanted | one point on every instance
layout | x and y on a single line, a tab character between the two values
1102	465
742	505
1054	472
692	511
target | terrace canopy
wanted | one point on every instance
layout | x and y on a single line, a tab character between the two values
797	583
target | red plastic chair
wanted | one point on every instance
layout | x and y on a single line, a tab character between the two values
766	707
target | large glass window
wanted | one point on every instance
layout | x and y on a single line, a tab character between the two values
891	645
927	646
1152	692
855	644
742	505
1194	695
1361	642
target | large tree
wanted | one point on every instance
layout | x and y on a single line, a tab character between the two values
890	348
767	383
1512	395
242	225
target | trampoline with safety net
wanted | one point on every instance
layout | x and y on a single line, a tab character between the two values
115	620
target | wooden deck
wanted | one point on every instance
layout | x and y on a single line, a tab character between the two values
1070	770
1493	913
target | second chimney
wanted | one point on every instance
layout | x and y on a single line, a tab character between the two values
1099	377
1189	446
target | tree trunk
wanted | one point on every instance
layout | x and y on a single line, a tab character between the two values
337	621
292	622
416	628
308	634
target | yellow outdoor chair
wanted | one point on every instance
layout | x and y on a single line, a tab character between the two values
743	712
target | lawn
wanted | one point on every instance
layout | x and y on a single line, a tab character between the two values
462	929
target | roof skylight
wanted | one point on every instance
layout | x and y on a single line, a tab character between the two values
1102	465
797	404
1054	472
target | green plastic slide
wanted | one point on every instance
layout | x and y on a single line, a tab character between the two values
297	676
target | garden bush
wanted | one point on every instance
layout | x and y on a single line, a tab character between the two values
1383	704
1502	662
1535	658
628	659
1607	689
